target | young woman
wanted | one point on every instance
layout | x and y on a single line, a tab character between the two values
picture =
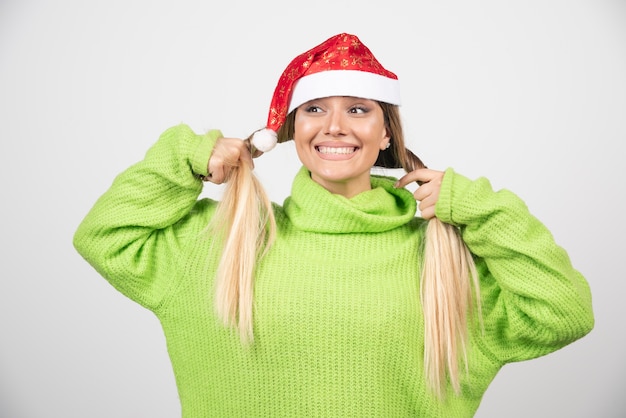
340	302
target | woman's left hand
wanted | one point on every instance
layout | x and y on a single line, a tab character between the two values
427	193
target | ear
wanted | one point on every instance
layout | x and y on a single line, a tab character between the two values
384	142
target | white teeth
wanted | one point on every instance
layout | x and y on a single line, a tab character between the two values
336	150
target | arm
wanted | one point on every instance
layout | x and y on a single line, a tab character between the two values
131	235
534	301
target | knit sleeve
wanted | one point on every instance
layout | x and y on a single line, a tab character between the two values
534	302
132	235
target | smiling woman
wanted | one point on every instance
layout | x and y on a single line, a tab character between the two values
344	301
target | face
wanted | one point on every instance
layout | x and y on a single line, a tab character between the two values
338	139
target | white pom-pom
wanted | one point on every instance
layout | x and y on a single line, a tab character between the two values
264	140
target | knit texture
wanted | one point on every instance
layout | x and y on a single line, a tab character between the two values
337	317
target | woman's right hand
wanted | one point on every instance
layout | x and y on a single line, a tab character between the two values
227	154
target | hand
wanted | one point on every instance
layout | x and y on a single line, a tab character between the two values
227	153
427	193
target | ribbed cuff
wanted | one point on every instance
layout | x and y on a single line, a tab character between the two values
202	154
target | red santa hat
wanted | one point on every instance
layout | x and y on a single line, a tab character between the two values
340	66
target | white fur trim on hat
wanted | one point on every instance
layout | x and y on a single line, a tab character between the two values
345	83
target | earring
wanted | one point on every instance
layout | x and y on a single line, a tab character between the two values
388	145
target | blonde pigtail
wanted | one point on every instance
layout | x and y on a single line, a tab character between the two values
449	286
448	276
245	221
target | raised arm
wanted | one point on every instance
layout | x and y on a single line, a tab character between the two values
131	236
534	301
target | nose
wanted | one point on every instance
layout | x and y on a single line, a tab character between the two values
335	123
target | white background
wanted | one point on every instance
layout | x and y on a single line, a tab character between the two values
531	94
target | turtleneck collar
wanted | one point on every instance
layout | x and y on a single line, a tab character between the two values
313	208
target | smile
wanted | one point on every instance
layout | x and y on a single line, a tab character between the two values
335	150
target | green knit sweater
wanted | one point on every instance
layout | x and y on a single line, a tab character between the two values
337	320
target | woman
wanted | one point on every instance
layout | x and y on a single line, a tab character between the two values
341	302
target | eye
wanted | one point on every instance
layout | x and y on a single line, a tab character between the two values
358	109
312	108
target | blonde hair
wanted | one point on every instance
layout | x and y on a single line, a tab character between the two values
246	221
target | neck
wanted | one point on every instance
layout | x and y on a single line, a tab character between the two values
345	188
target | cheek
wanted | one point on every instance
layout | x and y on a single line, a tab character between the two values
304	132
302	147
304	127
377	134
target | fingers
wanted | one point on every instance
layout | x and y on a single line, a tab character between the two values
421	175
216	174
427	194
227	154
428	213
427	205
